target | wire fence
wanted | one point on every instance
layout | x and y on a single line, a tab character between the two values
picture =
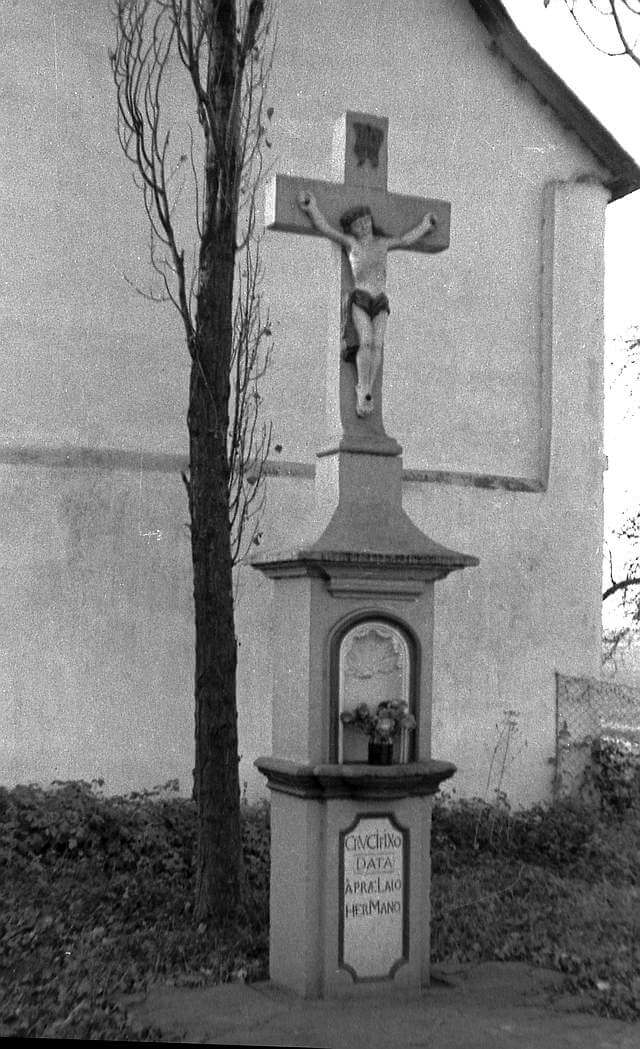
588	710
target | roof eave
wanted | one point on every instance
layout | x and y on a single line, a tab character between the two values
624	172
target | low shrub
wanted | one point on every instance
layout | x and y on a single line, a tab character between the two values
97	904
568	835
613	775
556	885
73	820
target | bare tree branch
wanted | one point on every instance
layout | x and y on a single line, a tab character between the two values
219	49
138	71
622	584
612	19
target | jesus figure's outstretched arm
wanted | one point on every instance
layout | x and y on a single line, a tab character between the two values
427	225
309	205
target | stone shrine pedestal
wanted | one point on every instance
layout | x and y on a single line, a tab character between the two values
353	624
350	841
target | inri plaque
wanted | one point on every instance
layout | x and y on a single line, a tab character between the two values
374	894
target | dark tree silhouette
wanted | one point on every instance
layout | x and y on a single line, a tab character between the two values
223	49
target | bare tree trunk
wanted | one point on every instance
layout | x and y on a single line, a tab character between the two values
219	856
219	870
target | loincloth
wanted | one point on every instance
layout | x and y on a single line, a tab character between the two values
372	306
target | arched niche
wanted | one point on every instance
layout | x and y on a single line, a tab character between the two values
373	659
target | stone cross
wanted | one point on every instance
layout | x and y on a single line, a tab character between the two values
360	154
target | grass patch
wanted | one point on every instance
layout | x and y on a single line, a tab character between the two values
97	902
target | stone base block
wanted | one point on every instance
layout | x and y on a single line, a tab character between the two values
350	885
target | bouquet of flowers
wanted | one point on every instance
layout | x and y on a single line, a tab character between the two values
383	723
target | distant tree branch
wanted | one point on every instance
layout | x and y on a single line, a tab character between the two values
596	19
622	584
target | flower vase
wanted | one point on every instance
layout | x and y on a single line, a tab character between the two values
381	753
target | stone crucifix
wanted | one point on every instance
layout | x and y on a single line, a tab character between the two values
366	222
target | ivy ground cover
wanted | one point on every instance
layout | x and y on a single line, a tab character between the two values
96	902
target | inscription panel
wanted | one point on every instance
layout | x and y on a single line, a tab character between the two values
374	893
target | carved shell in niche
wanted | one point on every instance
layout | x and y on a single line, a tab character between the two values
371	654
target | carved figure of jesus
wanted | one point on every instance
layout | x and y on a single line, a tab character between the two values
367	307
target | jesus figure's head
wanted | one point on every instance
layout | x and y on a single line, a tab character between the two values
358	221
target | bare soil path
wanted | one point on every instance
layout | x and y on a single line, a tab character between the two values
496	1005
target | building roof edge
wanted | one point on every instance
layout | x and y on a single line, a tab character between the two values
509	41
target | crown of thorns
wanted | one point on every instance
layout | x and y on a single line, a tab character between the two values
352	214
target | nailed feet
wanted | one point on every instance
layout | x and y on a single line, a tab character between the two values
364	402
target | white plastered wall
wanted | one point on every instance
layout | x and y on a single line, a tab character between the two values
493	369
97	665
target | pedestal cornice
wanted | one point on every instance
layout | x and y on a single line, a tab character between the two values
342	567
360	781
